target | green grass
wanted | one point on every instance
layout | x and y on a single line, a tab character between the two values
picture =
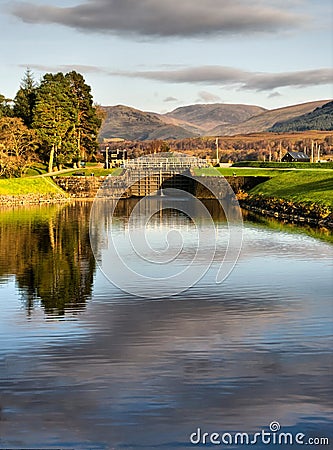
36	169
88	171
26	186
299	186
308	186
284	165
230	171
239	171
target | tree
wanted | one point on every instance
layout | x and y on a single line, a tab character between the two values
25	99
17	147
5	107
87	116
54	119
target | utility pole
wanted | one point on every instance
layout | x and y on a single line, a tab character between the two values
217	150
107	157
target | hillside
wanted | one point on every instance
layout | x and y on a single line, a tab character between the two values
209	120
133	124
206	117
319	119
266	120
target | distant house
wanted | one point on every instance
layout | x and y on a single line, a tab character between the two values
295	157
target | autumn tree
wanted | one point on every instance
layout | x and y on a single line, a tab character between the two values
5	107
17	147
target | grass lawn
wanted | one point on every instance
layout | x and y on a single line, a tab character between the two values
300	186
239	171
308	186
248	172
97	171
25	186
36	169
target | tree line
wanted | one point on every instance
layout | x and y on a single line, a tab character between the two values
255	147
54	121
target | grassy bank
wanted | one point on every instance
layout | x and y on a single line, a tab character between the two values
29	186
93	171
284	165
230	171
299	187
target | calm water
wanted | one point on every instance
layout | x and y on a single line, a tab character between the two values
85	366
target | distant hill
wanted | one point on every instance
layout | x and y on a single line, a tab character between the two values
319	119
133	124
206	117
210	120
266	120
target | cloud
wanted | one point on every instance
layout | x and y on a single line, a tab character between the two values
171	99
66	68
166	18
268	81
274	94
229	76
208	97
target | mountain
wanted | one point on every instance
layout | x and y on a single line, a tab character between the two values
133	124
209	120
319	119
265	120
206	117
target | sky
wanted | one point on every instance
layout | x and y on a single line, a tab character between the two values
157	55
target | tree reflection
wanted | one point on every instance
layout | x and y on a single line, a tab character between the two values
48	251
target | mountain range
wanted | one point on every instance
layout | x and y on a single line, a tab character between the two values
218	119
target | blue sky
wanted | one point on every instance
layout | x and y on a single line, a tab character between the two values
157	55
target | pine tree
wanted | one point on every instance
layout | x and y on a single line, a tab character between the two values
25	99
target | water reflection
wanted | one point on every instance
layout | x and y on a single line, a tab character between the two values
129	373
47	249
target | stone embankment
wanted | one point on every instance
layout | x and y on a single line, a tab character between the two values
313	214
80	187
32	199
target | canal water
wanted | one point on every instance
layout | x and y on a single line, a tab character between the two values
85	365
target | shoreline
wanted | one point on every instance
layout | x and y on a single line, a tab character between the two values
280	209
313	214
32	199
